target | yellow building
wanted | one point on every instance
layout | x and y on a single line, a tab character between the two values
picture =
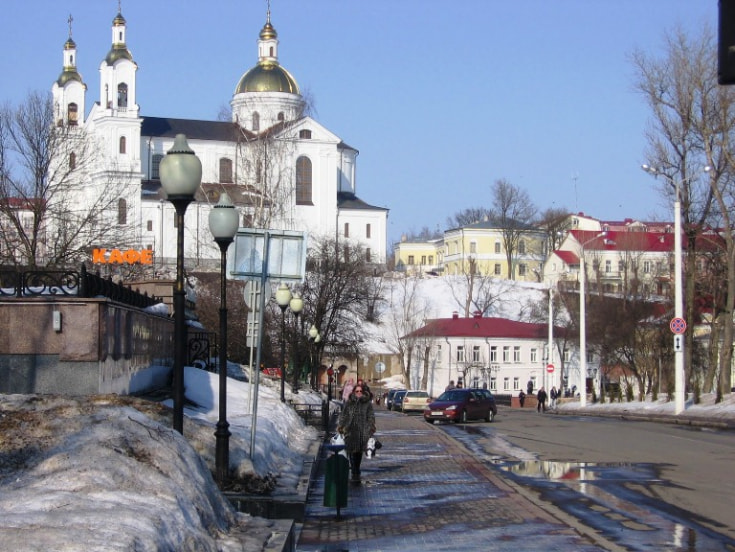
480	247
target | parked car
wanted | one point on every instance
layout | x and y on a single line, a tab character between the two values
462	405
398	400
415	401
389	398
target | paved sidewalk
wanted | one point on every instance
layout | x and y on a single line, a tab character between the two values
425	491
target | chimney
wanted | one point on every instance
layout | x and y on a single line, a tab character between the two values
455	315
477	314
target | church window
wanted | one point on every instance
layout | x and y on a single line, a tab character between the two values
256	121
122	211
72	161
122	95
305	134
281	117
368	255
225	170
347	229
521	247
72	114
367	231
155	165
303	181
497	247
259	171
123	144
271	51
149	226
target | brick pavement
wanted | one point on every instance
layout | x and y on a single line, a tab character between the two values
425	491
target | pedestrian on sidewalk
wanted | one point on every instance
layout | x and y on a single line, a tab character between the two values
357	424
553	395
541	398
521	397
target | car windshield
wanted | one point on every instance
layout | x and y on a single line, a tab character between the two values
452	396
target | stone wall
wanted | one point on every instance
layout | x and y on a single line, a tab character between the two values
81	346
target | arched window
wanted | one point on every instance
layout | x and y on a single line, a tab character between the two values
259	171
72	114
122	95
122	211
155	165
256	121
225	170
303	181
281	116
123	144
72	161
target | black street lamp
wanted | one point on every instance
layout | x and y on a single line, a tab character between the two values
296	305
223	223
283	298
181	174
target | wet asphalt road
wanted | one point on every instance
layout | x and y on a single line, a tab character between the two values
642	483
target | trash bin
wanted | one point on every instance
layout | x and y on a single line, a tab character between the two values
336	476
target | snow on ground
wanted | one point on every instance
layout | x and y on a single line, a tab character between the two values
108	472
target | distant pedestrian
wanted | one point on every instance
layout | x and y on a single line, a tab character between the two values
450	386
357	424
541	397
553	395
521	397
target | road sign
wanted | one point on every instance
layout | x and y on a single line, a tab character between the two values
380	367
678	325
550	368
678	343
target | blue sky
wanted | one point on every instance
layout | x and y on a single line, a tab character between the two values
441	97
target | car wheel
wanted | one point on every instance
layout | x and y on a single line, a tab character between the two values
463	417
429	420
490	416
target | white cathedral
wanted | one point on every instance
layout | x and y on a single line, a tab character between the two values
282	169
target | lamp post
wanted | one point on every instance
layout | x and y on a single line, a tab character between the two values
296	304
583	325
181	174
283	298
223	223
679	387
314	338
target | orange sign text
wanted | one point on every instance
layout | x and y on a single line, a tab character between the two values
115	256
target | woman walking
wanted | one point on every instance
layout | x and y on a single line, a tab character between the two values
357	424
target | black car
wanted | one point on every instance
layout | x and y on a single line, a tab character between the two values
462	405
389	398
397	403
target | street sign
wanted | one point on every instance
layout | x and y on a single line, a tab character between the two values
678	325
380	367
550	368
678	343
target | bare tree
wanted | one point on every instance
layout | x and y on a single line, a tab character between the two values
336	294
53	209
515	212
467	216
691	127
556	223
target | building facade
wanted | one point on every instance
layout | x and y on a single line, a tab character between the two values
282	168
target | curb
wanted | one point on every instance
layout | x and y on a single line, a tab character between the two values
684	420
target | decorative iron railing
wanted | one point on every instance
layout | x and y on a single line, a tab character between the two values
34	283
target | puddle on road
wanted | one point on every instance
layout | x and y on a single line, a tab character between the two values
608	498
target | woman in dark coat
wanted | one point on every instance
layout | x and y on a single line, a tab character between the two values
357	424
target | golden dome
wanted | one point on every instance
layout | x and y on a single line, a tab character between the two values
267	76
268	32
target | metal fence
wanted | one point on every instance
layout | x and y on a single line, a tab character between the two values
35	283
